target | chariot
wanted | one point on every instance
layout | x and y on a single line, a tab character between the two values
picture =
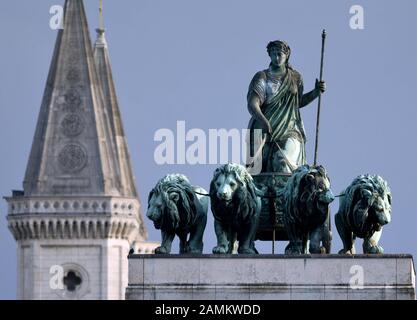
271	224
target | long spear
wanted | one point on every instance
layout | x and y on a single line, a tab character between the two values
323	40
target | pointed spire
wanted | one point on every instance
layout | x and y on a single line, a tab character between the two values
72	151
104	70
101	40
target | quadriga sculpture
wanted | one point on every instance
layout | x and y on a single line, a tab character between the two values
236	206
176	209
363	209
307	197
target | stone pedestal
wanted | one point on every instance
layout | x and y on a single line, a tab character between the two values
233	277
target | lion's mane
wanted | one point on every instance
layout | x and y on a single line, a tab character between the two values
176	215
299	200
354	210
244	201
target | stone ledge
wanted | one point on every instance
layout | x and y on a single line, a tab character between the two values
272	256
211	277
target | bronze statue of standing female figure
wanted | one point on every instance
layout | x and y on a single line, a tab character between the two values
274	98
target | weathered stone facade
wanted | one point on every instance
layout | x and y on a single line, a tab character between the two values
271	277
79	213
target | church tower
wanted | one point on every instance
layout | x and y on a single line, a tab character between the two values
79	213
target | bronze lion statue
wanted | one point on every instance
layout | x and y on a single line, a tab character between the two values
306	199
364	208
236	207
176	209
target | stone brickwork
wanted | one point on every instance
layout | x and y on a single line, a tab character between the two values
215	277
101	266
78	215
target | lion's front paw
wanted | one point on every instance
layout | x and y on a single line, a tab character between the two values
374	250
343	251
219	250
161	250
292	249
318	250
195	251
246	251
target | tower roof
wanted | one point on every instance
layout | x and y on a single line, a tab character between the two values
124	169
76	147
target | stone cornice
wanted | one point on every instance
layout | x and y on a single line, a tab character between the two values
73	204
66	217
69	226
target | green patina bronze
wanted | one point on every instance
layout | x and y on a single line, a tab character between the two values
275	97
364	208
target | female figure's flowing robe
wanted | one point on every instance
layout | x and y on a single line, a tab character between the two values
284	149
